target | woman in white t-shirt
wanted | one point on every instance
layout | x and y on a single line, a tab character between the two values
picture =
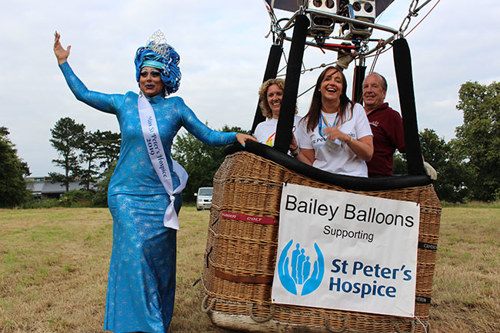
271	95
335	135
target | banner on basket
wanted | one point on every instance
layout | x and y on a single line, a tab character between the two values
346	251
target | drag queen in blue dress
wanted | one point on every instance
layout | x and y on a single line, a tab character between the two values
144	192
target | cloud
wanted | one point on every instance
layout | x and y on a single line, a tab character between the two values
223	57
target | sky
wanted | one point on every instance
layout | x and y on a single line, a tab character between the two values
223	49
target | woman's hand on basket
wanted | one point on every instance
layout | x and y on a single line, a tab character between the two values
242	138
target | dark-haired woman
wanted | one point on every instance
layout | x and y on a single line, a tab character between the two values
335	135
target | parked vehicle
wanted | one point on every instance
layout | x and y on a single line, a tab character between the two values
204	198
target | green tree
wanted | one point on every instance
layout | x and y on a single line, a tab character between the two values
108	153
98	151
108	148
89	154
67	138
100	198
478	139
200	161
12	169
454	176
399	167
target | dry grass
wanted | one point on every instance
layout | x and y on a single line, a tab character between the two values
53	271
467	278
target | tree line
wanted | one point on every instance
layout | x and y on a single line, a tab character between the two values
12	171
467	166
84	156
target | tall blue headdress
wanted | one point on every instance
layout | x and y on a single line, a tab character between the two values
158	54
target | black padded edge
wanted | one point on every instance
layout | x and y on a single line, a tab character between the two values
287	111
404	77
273	62
346	182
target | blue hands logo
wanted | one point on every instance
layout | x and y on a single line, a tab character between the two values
300	277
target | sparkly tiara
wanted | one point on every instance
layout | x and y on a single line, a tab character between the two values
158	44
157	53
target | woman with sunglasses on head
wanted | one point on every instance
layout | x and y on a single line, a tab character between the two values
335	135
144	194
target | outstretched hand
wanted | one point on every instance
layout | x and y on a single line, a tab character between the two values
61	53
244	137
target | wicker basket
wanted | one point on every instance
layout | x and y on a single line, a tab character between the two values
240	256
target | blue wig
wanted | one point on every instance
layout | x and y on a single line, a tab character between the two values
163	57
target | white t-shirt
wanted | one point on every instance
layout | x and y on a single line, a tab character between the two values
332	157
265	131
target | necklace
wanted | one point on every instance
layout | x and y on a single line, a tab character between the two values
323	123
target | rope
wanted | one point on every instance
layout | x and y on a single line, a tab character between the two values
423	324
379	51
210	306
346	321
306	91
423	18
286	64
398	328
413	12
310	70
260	320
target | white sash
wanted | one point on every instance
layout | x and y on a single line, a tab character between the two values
158	159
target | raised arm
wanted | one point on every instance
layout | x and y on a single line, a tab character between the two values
61	53
104	102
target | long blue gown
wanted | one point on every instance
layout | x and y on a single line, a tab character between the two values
141	282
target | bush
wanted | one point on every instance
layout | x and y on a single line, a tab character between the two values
35	204
76	198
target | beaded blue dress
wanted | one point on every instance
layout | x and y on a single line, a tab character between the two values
141	282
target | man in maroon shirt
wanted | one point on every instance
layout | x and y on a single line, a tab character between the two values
386	125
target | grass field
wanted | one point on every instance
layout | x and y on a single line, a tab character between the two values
54	262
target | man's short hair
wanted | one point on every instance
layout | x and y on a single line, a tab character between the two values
384	81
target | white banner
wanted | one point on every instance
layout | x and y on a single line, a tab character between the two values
158	157
346	251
